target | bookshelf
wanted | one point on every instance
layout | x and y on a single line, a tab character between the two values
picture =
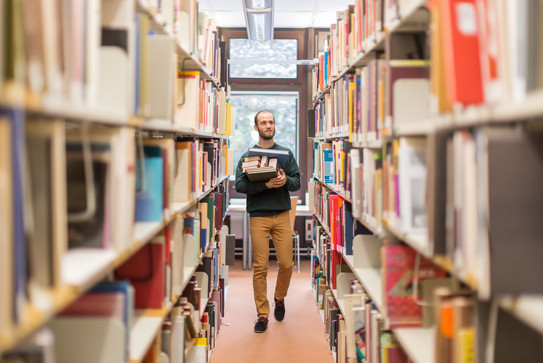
445	212
95	107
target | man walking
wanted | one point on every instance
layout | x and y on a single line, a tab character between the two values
268	204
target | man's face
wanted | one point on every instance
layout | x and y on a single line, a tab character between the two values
265	126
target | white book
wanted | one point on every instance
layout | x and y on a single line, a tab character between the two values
412	180
116	57
162	75
92	64
89	339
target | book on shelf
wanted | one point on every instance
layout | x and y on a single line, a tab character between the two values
400	274
162	68
17	293
101	318
167	147
436	187
188	101
145	271
412	185
391	350
117	57
460	41
508	211
47	238
185	187
149	185
454	319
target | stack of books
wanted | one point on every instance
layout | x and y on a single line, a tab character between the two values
260	168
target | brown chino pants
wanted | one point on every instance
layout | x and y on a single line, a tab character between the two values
278	226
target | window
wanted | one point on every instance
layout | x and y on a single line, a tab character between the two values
244	53
283	105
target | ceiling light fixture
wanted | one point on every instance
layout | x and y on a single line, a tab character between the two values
259	19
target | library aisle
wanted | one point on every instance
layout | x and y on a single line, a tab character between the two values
299	338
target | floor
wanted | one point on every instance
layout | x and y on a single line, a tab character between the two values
297	339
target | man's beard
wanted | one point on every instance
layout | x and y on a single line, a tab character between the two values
266	137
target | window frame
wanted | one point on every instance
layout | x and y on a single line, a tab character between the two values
241	33
305	37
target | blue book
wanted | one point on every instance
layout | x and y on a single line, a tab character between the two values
17	117
149	195
328	167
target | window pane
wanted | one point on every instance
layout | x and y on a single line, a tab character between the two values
279	49
283	105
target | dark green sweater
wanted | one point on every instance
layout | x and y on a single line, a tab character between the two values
262	201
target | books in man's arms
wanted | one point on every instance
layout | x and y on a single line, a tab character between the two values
280	155
250	164
262	173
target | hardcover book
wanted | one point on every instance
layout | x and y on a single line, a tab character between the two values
280	155
402	309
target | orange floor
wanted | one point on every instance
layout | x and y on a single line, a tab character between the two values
298	339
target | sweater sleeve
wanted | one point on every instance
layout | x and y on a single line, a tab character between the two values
244	185
292	173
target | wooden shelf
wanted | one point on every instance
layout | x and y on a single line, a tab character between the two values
527	308
418	343
84	267
413	17
378	144
419	242
145	326
371	280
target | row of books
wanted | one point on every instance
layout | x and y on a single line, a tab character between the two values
354	327
489	64
455	195
356	175
355	31
371	103
415	293
438	193
456	319
109	56
159	279
70	189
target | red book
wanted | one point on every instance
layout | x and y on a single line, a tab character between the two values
401	307
462	53
335	260
333	209
167	245
145	270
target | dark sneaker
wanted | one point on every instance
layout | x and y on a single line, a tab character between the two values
279	312
261	325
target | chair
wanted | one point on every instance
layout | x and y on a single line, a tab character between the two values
295	235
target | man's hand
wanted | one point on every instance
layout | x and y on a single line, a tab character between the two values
278	181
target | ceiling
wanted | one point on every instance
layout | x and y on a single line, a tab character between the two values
287	13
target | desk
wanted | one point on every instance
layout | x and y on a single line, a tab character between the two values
240	207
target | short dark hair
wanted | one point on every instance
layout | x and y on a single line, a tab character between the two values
263	111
